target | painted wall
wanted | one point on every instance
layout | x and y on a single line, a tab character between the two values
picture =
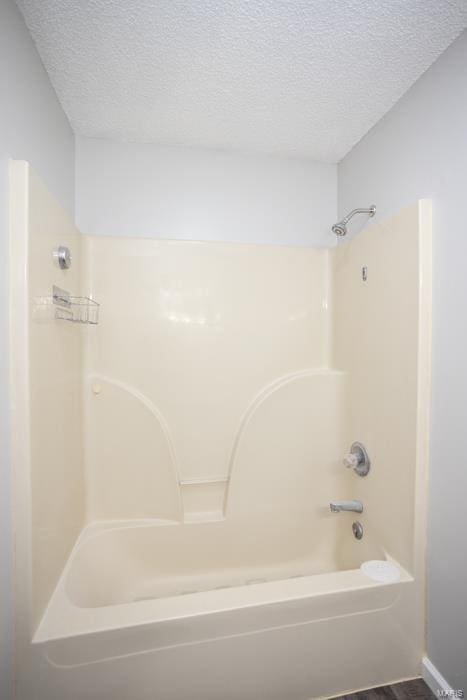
32	126
128	189
419	149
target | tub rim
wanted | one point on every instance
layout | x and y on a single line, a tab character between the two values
62	619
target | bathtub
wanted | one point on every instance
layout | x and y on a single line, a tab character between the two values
161	574
146	598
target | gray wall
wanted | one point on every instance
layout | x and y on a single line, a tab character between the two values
419	149
32	127
140	189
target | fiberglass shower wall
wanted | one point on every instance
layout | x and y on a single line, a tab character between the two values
382	340
199	346
47	415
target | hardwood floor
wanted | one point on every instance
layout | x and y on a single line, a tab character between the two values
409	690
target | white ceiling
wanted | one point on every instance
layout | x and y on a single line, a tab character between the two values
300	77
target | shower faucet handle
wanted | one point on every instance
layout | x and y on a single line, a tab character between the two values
358	459
351	460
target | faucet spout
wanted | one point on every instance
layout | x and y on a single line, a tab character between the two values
352	506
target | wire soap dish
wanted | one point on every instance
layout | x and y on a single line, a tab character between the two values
75	309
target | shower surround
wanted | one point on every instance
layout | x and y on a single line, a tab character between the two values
174	464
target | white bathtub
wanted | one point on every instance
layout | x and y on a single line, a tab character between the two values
122	575
132	595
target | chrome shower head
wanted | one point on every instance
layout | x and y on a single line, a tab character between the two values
340	229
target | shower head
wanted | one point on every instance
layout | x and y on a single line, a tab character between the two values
340	229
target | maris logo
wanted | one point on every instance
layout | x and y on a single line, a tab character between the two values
450	693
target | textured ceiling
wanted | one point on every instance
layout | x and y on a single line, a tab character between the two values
301	77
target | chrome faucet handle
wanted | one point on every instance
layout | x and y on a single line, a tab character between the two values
351	460
358	459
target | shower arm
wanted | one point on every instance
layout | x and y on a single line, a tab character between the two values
371	211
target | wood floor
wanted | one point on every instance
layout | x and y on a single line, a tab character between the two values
410	690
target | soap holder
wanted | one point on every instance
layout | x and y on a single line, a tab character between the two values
76	309
81	310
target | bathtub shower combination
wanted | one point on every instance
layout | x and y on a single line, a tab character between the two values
182	415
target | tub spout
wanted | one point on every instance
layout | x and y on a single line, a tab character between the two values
353	506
